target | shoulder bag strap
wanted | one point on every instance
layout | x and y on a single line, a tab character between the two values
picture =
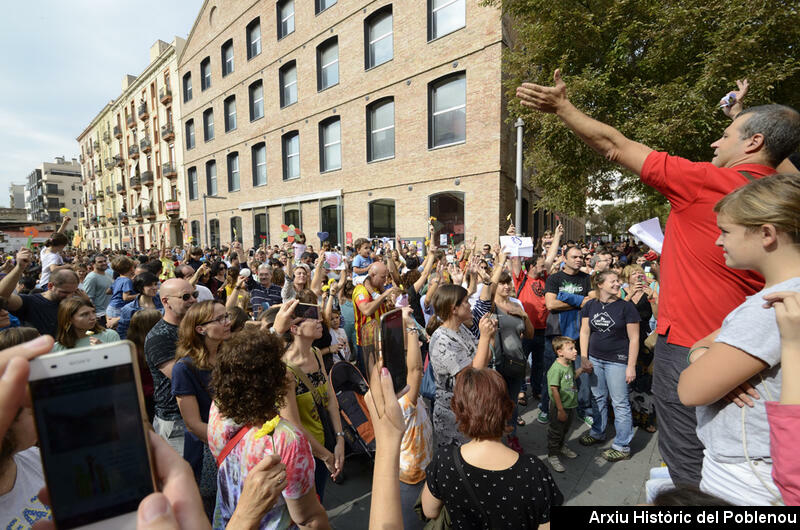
233	442
522	285
749	176
471	492
301	375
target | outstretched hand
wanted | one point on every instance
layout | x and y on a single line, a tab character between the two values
544	98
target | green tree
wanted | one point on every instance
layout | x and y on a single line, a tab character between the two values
653	69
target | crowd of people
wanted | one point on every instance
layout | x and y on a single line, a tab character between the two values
699	343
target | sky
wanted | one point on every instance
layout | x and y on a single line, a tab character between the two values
63	62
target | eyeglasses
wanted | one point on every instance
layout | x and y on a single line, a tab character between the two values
185	296
219	320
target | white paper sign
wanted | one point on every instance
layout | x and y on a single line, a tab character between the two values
443	240
650	233
517	246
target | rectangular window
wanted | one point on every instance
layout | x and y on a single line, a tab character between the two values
322	5
192	177
236	229
187	87
378	38
285	18
254	38
230	113
227	57
260	229
291	155
213	233
330	142
288	80
447	114
211	177
256	92
233	172
445	17
380	130
259	155
189	134
328	64
208	124
196	232
205	74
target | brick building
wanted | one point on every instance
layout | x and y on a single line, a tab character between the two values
352	118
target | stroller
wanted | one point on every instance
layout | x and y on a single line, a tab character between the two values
350	388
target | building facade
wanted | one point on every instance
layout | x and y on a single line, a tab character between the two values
133	189
52	188
16	195
350	118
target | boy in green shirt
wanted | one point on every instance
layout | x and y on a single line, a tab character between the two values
563	400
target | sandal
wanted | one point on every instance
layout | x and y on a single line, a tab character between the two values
520	421
522	400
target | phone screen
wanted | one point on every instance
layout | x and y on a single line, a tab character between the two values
92	443
307	311
393	348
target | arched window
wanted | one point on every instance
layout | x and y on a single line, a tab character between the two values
448	209
381	218
213	233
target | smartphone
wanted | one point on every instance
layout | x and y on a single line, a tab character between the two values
306	311
393	348
89	414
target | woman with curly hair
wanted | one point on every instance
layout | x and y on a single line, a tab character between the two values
78	326
512	490
204	327
244	428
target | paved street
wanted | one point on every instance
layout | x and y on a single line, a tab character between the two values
588	480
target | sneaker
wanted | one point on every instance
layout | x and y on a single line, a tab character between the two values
513	443
569	453
588	420
556	464
543	418
612	455
588	439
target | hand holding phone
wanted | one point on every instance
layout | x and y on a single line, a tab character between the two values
393	348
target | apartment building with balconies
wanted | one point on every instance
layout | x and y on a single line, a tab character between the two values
131	166
356	118
54	190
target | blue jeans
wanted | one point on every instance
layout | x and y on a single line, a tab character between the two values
549	357
321	476
608	380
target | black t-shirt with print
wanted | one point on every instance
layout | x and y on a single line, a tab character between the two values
608	322
579	283
159	348
515	498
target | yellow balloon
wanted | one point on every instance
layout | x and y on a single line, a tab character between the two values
64	210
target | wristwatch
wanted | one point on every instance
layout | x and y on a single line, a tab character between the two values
340	433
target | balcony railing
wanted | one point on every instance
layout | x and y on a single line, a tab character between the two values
54	192
167	132
147	178
96	145
117	132
100	195
120	188
146	145
149	213
168	170
173	209
133	151
106	137
143	114
138	214
119	161
123	217
131	121
165	95
110	191
136	182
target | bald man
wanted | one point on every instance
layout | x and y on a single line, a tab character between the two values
371	299
38	310
177	295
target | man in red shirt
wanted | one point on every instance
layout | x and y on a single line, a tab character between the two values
697	289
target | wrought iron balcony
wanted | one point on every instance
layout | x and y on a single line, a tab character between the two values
143	114
173	209
146	145
136	182
131	121
106	137
167	132
117	132
165	95
133	151
119	161
147	178
168	170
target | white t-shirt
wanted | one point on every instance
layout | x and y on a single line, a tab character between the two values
48	258
343	354
20	508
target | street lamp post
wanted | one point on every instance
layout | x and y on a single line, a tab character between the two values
205	212
519	124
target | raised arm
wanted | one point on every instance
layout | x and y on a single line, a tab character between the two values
10	280
319	275
426	272
551	253
487	293
604	139
64	222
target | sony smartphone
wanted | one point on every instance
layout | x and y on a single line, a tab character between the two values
306	311
393	348
89	414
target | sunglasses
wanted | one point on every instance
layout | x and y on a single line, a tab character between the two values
185	296
219	320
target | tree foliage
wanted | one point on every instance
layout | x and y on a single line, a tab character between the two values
653	69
